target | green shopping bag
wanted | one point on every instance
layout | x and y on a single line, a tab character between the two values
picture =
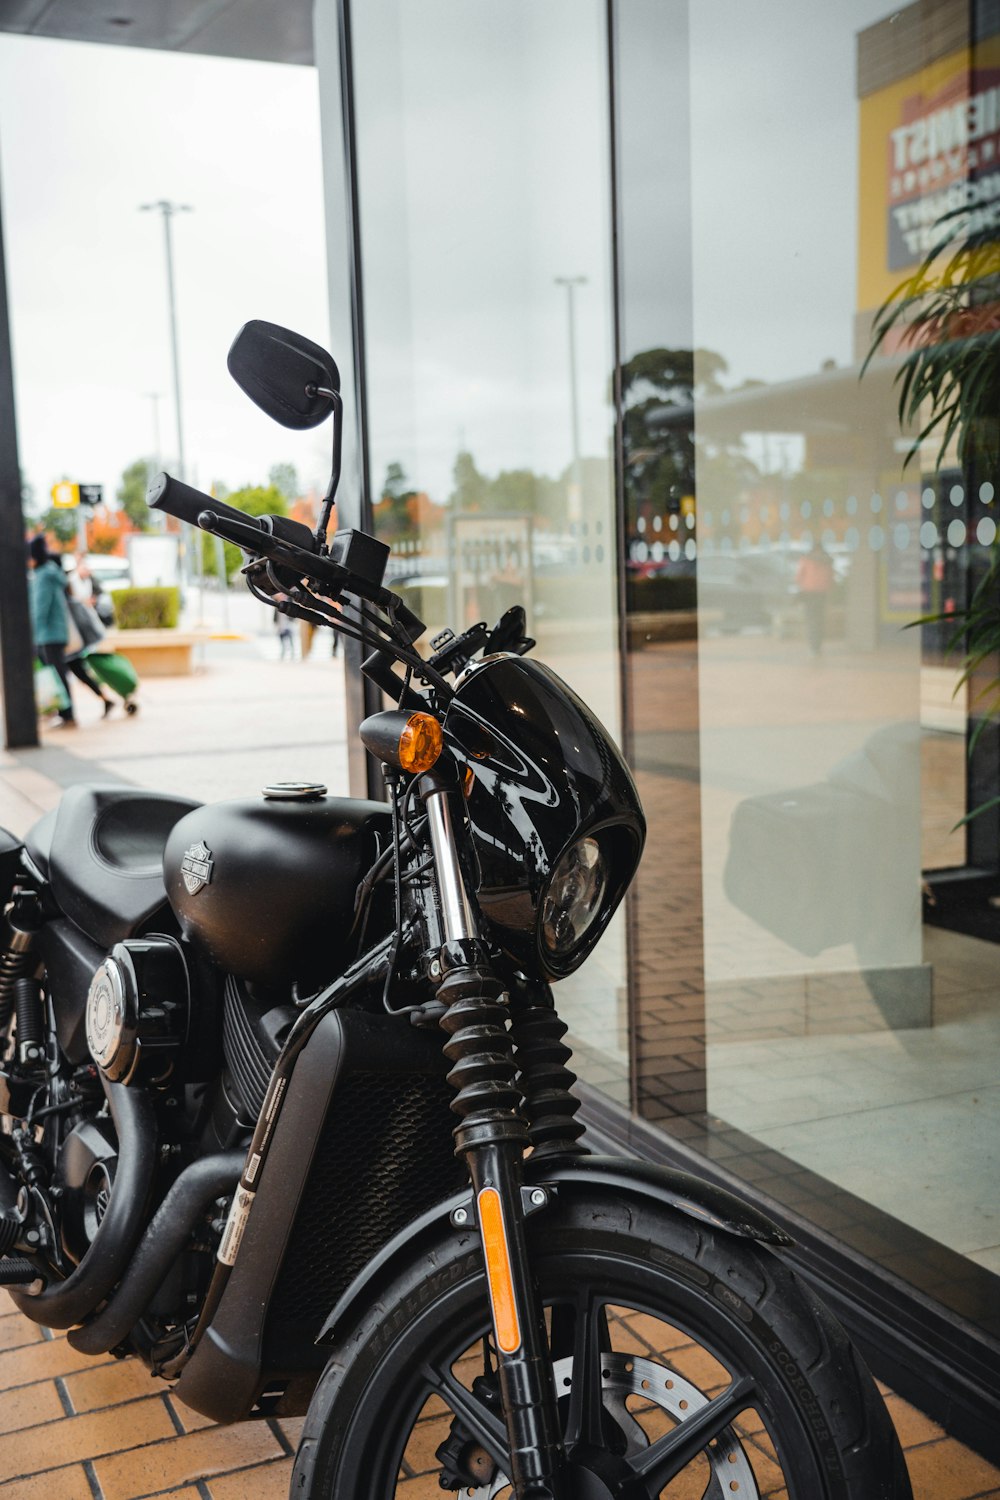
50	695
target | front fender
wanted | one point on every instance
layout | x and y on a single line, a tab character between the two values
629	1179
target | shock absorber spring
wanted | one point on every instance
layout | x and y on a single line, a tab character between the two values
545	1080
483	1071
30	1020
20	924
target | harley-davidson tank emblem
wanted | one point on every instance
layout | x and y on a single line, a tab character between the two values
196	867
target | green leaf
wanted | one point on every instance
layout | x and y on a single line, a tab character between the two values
976	811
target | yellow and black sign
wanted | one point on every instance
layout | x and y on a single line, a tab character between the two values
66	494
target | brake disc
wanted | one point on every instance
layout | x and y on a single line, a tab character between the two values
624	1375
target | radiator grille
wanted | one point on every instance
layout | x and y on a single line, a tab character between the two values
384	1155
249	1068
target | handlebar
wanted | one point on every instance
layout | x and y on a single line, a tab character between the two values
355	566
252	534
277	538
187	503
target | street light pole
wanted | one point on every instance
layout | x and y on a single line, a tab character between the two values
168	209
155	397
576	488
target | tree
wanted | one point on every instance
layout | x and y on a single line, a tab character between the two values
471	491
131	493
60	522
103	535
659	390
259	500
285	478
517	489
393	521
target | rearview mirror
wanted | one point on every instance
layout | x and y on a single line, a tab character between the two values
285	374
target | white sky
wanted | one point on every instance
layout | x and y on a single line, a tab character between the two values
483	156
496	185
87	133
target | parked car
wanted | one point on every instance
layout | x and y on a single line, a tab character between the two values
748	589
111	572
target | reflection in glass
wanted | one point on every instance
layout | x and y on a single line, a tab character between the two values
484	200
820	1015
821	711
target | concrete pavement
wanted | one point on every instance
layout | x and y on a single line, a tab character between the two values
242	719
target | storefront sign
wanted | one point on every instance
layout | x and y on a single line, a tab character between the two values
929	165
944	168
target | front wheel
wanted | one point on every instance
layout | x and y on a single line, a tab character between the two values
689	1364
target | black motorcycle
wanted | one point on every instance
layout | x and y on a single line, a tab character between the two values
238	1038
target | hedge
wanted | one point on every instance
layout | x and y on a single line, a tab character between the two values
146	609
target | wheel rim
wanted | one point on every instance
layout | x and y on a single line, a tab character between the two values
718	1444
623	1376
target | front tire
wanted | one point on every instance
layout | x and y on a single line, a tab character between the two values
670	1323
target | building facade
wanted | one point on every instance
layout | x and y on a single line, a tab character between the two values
612	289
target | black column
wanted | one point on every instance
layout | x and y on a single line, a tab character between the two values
20	724
363	697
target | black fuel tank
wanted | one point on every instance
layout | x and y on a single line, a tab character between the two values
265	888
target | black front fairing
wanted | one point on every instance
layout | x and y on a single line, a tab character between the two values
546	773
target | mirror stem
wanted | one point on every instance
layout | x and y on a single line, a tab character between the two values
331	489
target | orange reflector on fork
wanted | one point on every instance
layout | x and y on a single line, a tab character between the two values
498	1273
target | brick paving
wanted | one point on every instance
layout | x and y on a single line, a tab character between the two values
72	1428
79	1429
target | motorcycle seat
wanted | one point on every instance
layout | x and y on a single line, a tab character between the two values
105	857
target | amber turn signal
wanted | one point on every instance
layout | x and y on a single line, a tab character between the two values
420	743
410	742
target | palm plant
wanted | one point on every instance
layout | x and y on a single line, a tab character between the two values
946	317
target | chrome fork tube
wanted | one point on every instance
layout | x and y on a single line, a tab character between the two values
492	1137
456	913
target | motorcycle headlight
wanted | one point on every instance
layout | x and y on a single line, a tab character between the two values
574	897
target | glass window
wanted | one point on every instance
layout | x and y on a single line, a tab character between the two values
849	1020
483	160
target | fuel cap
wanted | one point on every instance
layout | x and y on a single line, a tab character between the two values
295	791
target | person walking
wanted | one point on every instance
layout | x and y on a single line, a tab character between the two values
283	626
814	580
91	633
50	618
98	600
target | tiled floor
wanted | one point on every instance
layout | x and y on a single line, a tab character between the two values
77	1429
70	1427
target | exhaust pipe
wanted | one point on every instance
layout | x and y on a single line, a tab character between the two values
63	1303
195	1189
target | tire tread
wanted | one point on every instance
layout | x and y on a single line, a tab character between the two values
871	1463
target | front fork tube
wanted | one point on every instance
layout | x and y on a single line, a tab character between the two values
524	1367
492	1137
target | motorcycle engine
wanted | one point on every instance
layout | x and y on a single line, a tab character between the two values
139	1010
85	1175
